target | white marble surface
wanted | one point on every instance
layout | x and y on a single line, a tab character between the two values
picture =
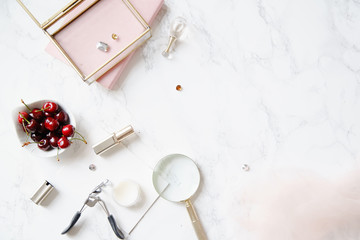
272	83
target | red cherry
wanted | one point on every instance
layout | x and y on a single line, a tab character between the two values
54	141
47	114
21	118
33	125
37	114
44	144
68	130
42	129
63	142
36	136
58	132
62	117
51	124
51	134
50	107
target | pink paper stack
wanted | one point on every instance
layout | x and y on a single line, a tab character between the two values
148	10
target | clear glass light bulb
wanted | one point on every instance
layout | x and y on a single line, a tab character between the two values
176	31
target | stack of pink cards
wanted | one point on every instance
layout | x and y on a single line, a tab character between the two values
148	10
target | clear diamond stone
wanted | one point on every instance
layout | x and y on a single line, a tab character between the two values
102	46
245	167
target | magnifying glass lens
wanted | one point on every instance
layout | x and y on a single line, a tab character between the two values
182	175
176	178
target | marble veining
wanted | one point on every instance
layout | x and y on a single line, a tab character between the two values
272	84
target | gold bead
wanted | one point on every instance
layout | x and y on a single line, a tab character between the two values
114	36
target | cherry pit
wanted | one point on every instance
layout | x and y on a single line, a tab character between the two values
48	126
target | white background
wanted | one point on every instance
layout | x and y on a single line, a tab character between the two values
264	83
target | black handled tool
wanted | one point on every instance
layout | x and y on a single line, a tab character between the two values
73	221
90	202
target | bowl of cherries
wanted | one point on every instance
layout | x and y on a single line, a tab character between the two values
45	128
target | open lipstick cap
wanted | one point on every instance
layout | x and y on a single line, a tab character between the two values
42	192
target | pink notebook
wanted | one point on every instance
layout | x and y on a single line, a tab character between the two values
148	9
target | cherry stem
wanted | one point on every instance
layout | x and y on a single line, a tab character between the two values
43	109
27	136
27	133
26	105
57	154
24	117
28	143
83	139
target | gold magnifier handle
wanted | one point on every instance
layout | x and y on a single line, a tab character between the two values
200	233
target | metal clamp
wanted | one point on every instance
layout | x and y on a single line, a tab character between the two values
91	201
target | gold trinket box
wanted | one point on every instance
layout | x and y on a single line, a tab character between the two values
92	35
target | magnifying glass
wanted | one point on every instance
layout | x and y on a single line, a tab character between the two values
183	178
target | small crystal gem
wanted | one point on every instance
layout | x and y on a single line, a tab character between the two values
245	167
102	46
